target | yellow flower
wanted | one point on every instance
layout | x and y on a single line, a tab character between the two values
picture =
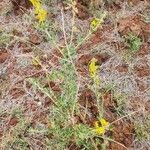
93	67
100	130
34	2
101	126
104	122
95	23
41	16
37	7
41	13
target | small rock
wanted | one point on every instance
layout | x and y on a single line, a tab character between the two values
39	103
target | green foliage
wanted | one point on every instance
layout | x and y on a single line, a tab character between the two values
82	134
37	85
62	128
61	136
120	100
133	42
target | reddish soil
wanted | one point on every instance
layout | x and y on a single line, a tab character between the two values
16	93
141	86
144	50
20	5
35	39
142	71
87	101
122	68
24	47
136	25
55	87
97	37
122	133
83	12
3	56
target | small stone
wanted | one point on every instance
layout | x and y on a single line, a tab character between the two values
39	103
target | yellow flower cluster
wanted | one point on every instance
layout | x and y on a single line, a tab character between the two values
93	67
101	126
93	71
41	13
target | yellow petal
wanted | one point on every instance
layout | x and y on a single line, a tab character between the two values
93	67
41	15
100	130
95	23
33	2
104	122
37	7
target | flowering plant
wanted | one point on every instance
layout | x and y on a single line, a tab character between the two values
41	13
101	126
